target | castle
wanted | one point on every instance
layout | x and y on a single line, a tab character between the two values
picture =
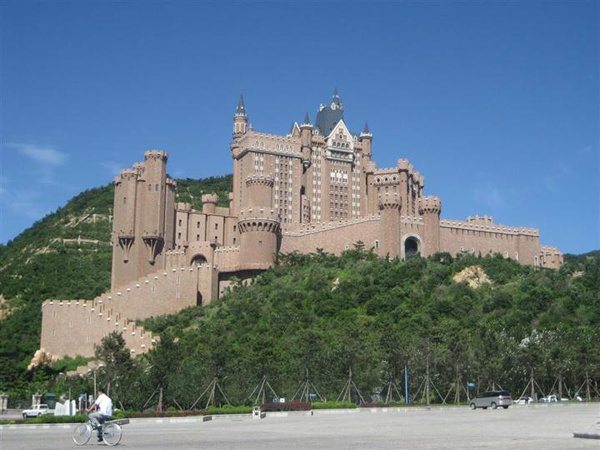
315	188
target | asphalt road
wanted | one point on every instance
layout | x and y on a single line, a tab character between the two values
519	427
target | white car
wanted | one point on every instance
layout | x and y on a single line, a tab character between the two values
36	411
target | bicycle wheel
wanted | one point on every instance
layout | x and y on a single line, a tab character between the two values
112	434
82	433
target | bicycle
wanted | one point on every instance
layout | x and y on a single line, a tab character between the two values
111	432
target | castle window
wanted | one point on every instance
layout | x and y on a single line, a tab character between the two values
234	241
149	187
156	188
179	222
197	237
216	226
178	235
124	200
260	243
198	225
234	228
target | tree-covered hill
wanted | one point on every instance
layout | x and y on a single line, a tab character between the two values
328	314
65	255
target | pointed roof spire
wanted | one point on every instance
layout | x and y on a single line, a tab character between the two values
306	118
336	98
240	110
366	131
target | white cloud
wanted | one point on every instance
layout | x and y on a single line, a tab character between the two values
113	167
490	196
41	155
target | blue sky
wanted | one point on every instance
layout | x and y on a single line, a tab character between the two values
495	103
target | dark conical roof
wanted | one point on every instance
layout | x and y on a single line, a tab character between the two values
240	110
306	118
328	117
366	130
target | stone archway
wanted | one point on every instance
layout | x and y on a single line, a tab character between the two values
411	246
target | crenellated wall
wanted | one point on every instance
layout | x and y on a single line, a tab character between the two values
482	236
333	237
73	327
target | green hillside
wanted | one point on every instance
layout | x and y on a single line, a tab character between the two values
327	314
66	255
320	313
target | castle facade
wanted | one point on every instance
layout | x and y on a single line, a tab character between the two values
316	187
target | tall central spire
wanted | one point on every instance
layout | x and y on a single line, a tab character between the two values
240	110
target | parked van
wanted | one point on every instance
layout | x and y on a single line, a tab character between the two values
492	399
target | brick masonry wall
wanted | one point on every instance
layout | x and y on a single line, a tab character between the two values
73	327
332	237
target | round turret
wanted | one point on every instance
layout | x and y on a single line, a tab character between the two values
430	205
389	201
259	237
209	203
259	191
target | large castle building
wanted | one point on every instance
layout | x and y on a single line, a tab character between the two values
316	187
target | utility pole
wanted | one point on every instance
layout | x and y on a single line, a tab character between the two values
406	383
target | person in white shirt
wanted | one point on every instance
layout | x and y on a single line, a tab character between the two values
104	405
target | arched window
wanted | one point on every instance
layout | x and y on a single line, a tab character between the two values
198	260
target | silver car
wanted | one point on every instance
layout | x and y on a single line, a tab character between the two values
491	399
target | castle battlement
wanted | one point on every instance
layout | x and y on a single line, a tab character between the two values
210	198
259	213
257	178
227	249
496	228
320	227
156	155
430	205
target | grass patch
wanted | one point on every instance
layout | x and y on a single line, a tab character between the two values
334	405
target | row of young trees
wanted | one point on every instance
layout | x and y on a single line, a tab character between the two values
325	316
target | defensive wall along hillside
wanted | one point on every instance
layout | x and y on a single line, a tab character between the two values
72	327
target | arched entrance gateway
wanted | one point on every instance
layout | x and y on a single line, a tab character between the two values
412	246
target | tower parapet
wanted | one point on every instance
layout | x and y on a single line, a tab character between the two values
389	201
389	205
430	208
209	203
430	205
158	155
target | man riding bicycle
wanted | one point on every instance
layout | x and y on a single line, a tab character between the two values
104	405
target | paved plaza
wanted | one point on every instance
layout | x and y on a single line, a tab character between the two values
519	427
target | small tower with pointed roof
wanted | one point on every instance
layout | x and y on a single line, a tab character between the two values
366	139
306	137
240	119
